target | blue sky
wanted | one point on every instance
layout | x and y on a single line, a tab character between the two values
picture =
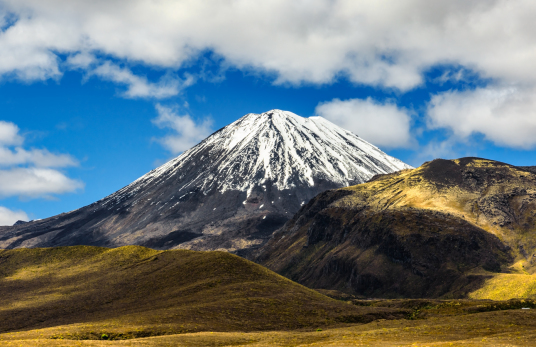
95	94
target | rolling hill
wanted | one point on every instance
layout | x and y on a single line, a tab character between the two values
134	291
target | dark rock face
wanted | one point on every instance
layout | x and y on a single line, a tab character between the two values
437	231
230	192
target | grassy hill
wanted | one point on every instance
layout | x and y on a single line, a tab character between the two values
82	296
449	228
135	292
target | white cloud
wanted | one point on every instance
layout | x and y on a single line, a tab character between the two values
81	60
187	134
37	157
9	134
140	87
384	125
504	115
31	173
9	217
11	152
35	182
384	42
453	76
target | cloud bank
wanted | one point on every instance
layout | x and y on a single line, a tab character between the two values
386	43
31	173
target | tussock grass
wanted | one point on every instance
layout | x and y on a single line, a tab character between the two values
507	286
498	328
132	292
134	296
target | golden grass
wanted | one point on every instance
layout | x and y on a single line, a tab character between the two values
500	328
130	288
134	296
416	233
507	286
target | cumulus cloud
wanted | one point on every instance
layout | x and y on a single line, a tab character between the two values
504	115
37	157
187	133
9	134
81	60
384	125
11	152
9	217
31	172
140	87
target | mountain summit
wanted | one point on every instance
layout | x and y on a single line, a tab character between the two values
282	148
228	192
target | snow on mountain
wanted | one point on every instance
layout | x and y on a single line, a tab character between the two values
229	192
277	146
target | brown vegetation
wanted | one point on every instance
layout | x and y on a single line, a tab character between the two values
135	292
429	323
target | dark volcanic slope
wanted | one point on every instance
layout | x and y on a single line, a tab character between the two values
229	192
438	230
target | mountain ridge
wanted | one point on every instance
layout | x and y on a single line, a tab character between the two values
445	229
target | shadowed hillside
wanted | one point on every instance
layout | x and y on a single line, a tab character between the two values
445	229
134	292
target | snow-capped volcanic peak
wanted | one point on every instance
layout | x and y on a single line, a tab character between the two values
229	192
277	146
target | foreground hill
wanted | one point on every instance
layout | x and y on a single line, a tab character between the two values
445	229
229	192
134	292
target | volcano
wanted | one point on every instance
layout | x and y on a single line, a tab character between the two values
229	192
